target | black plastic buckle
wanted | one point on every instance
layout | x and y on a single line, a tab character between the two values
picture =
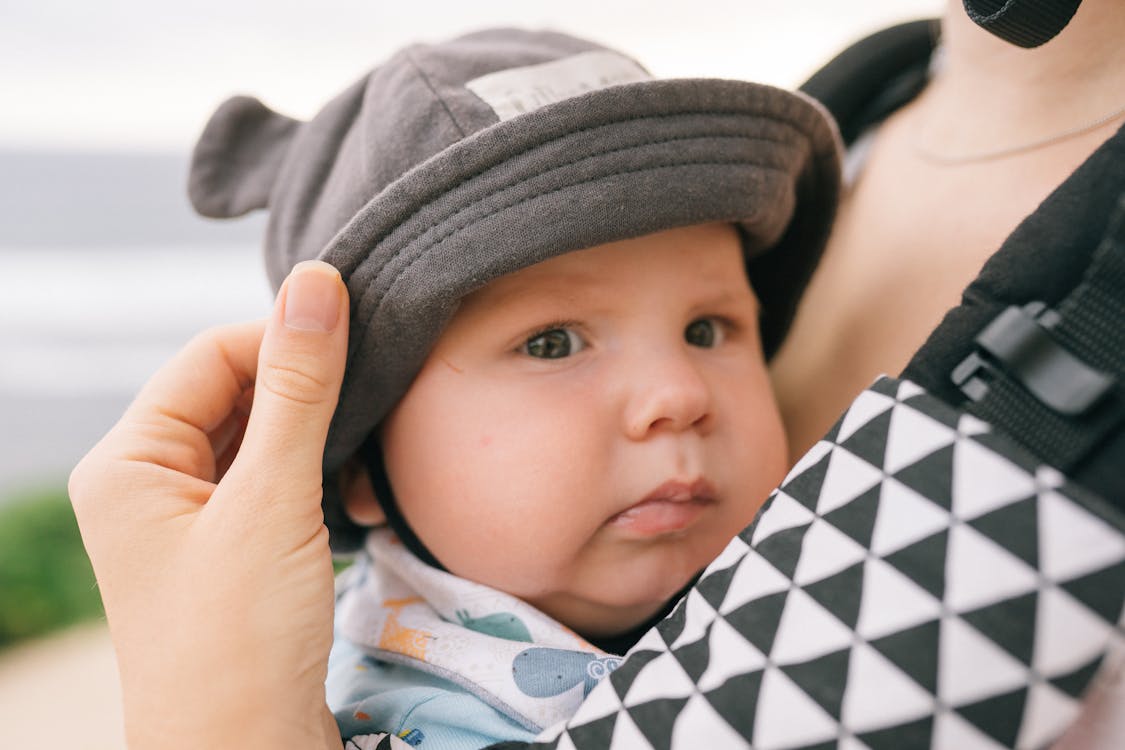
1018	344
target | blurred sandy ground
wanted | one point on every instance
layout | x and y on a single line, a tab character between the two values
62	686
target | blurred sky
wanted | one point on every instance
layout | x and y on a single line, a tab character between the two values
136	74
105	272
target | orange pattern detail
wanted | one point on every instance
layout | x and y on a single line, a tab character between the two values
399	638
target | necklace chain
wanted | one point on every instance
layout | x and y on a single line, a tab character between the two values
972	157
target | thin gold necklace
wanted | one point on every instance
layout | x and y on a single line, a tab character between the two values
973	157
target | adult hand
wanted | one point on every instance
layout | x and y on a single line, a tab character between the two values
202	520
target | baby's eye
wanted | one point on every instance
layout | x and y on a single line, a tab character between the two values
553	344
705	333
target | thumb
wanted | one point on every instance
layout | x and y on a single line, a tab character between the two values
300	369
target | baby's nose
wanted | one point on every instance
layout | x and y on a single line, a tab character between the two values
669	394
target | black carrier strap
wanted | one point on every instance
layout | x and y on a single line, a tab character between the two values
1048	258
1053	378
713	671
871	79
1024	23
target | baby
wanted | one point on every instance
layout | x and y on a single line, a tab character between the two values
556	394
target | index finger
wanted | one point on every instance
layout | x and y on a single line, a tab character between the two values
191	395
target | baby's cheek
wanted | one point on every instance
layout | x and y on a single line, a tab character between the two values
757	443
508	556
522	524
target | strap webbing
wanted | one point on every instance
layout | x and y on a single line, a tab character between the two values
1089	326
372	454
1025	23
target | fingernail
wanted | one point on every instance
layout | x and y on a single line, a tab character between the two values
312	297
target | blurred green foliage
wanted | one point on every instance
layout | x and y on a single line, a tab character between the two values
45	577
46	582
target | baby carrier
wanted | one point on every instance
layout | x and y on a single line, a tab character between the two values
946	568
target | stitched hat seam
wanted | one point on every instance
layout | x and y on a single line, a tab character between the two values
377	282
793	123
423	251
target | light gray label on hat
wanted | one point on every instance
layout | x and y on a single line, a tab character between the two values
516	91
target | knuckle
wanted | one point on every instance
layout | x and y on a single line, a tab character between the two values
294	384
91	481
186	452
210	338
211	343
206	340
78	483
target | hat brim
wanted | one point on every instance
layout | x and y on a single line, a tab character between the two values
609	165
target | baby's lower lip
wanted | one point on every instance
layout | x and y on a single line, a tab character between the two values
655	517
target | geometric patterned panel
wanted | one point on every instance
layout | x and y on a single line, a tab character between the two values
376	742
917	581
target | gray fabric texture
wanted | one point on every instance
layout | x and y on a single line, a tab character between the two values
412	187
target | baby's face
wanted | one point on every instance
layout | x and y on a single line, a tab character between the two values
589	432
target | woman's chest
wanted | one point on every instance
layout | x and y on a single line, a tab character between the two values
909	237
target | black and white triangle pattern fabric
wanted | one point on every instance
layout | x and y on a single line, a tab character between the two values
381	741
916	582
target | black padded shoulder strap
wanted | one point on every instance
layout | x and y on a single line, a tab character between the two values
1025	23
1056	376
1045	261
1061	259
875	76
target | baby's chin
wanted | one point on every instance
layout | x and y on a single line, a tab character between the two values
618	609
616	621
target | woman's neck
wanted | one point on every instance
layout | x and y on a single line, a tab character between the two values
990	93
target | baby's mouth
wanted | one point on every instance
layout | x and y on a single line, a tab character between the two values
670	508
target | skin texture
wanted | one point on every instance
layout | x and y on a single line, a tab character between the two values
513	469
195	621
911	234
216	575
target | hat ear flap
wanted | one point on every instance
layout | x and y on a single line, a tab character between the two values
238	157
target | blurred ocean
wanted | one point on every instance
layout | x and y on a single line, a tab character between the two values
104	273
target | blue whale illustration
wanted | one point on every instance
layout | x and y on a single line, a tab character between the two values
547	672
500	624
